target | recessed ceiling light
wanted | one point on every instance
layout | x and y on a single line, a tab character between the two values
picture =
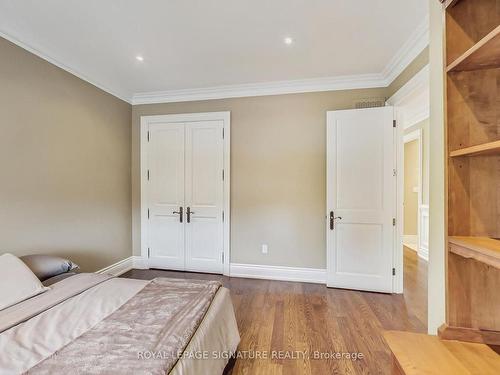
139	58
288	40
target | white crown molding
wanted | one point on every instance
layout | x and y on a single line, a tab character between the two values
255	271
415	44
262	89
65	67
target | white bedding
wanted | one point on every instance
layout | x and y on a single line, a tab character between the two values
30	342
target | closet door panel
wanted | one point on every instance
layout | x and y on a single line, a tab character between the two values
166	165
204	155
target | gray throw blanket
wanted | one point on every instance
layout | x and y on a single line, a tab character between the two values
144	336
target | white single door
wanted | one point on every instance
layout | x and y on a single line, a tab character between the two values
165	158
361	197
204	196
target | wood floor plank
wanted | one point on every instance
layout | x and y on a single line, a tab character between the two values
276	316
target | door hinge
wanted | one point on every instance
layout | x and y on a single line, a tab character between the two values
148	135
149	252
222	133
393	123
394	172
394	221
393	272
222	257
223	175
222	216
148	213
148	174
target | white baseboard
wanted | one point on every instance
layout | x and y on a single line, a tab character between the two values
255	271
124	265
252	271
410	238
423	253
118	268
139	263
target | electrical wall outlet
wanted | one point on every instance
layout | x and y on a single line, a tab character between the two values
264	249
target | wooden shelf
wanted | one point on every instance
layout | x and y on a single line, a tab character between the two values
490	148
417	354
484	54
482	249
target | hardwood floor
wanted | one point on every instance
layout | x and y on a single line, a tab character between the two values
296	317
415	284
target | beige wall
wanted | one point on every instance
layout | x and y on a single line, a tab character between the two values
411	180
278	156
64	162
437	248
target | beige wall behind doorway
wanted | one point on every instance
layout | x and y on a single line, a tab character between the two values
278	178
411	182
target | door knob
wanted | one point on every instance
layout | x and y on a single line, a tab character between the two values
180	213
332	220
189	212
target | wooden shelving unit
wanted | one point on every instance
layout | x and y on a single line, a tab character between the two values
489	148
485	54
482	249
473	171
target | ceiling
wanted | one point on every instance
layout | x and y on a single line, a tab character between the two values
200	44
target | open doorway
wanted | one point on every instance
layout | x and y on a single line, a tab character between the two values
411	105
412	189
414	246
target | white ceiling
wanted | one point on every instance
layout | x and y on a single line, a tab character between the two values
192	44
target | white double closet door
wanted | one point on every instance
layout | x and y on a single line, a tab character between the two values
185	164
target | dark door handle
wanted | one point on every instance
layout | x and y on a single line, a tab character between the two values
332	220
180	212
189	212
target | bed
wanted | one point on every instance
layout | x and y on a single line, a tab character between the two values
99	324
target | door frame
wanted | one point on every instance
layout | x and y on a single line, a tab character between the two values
225	117
411	105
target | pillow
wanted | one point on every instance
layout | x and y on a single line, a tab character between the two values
18	282
47	266
58	278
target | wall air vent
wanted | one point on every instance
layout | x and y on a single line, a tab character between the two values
369	103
